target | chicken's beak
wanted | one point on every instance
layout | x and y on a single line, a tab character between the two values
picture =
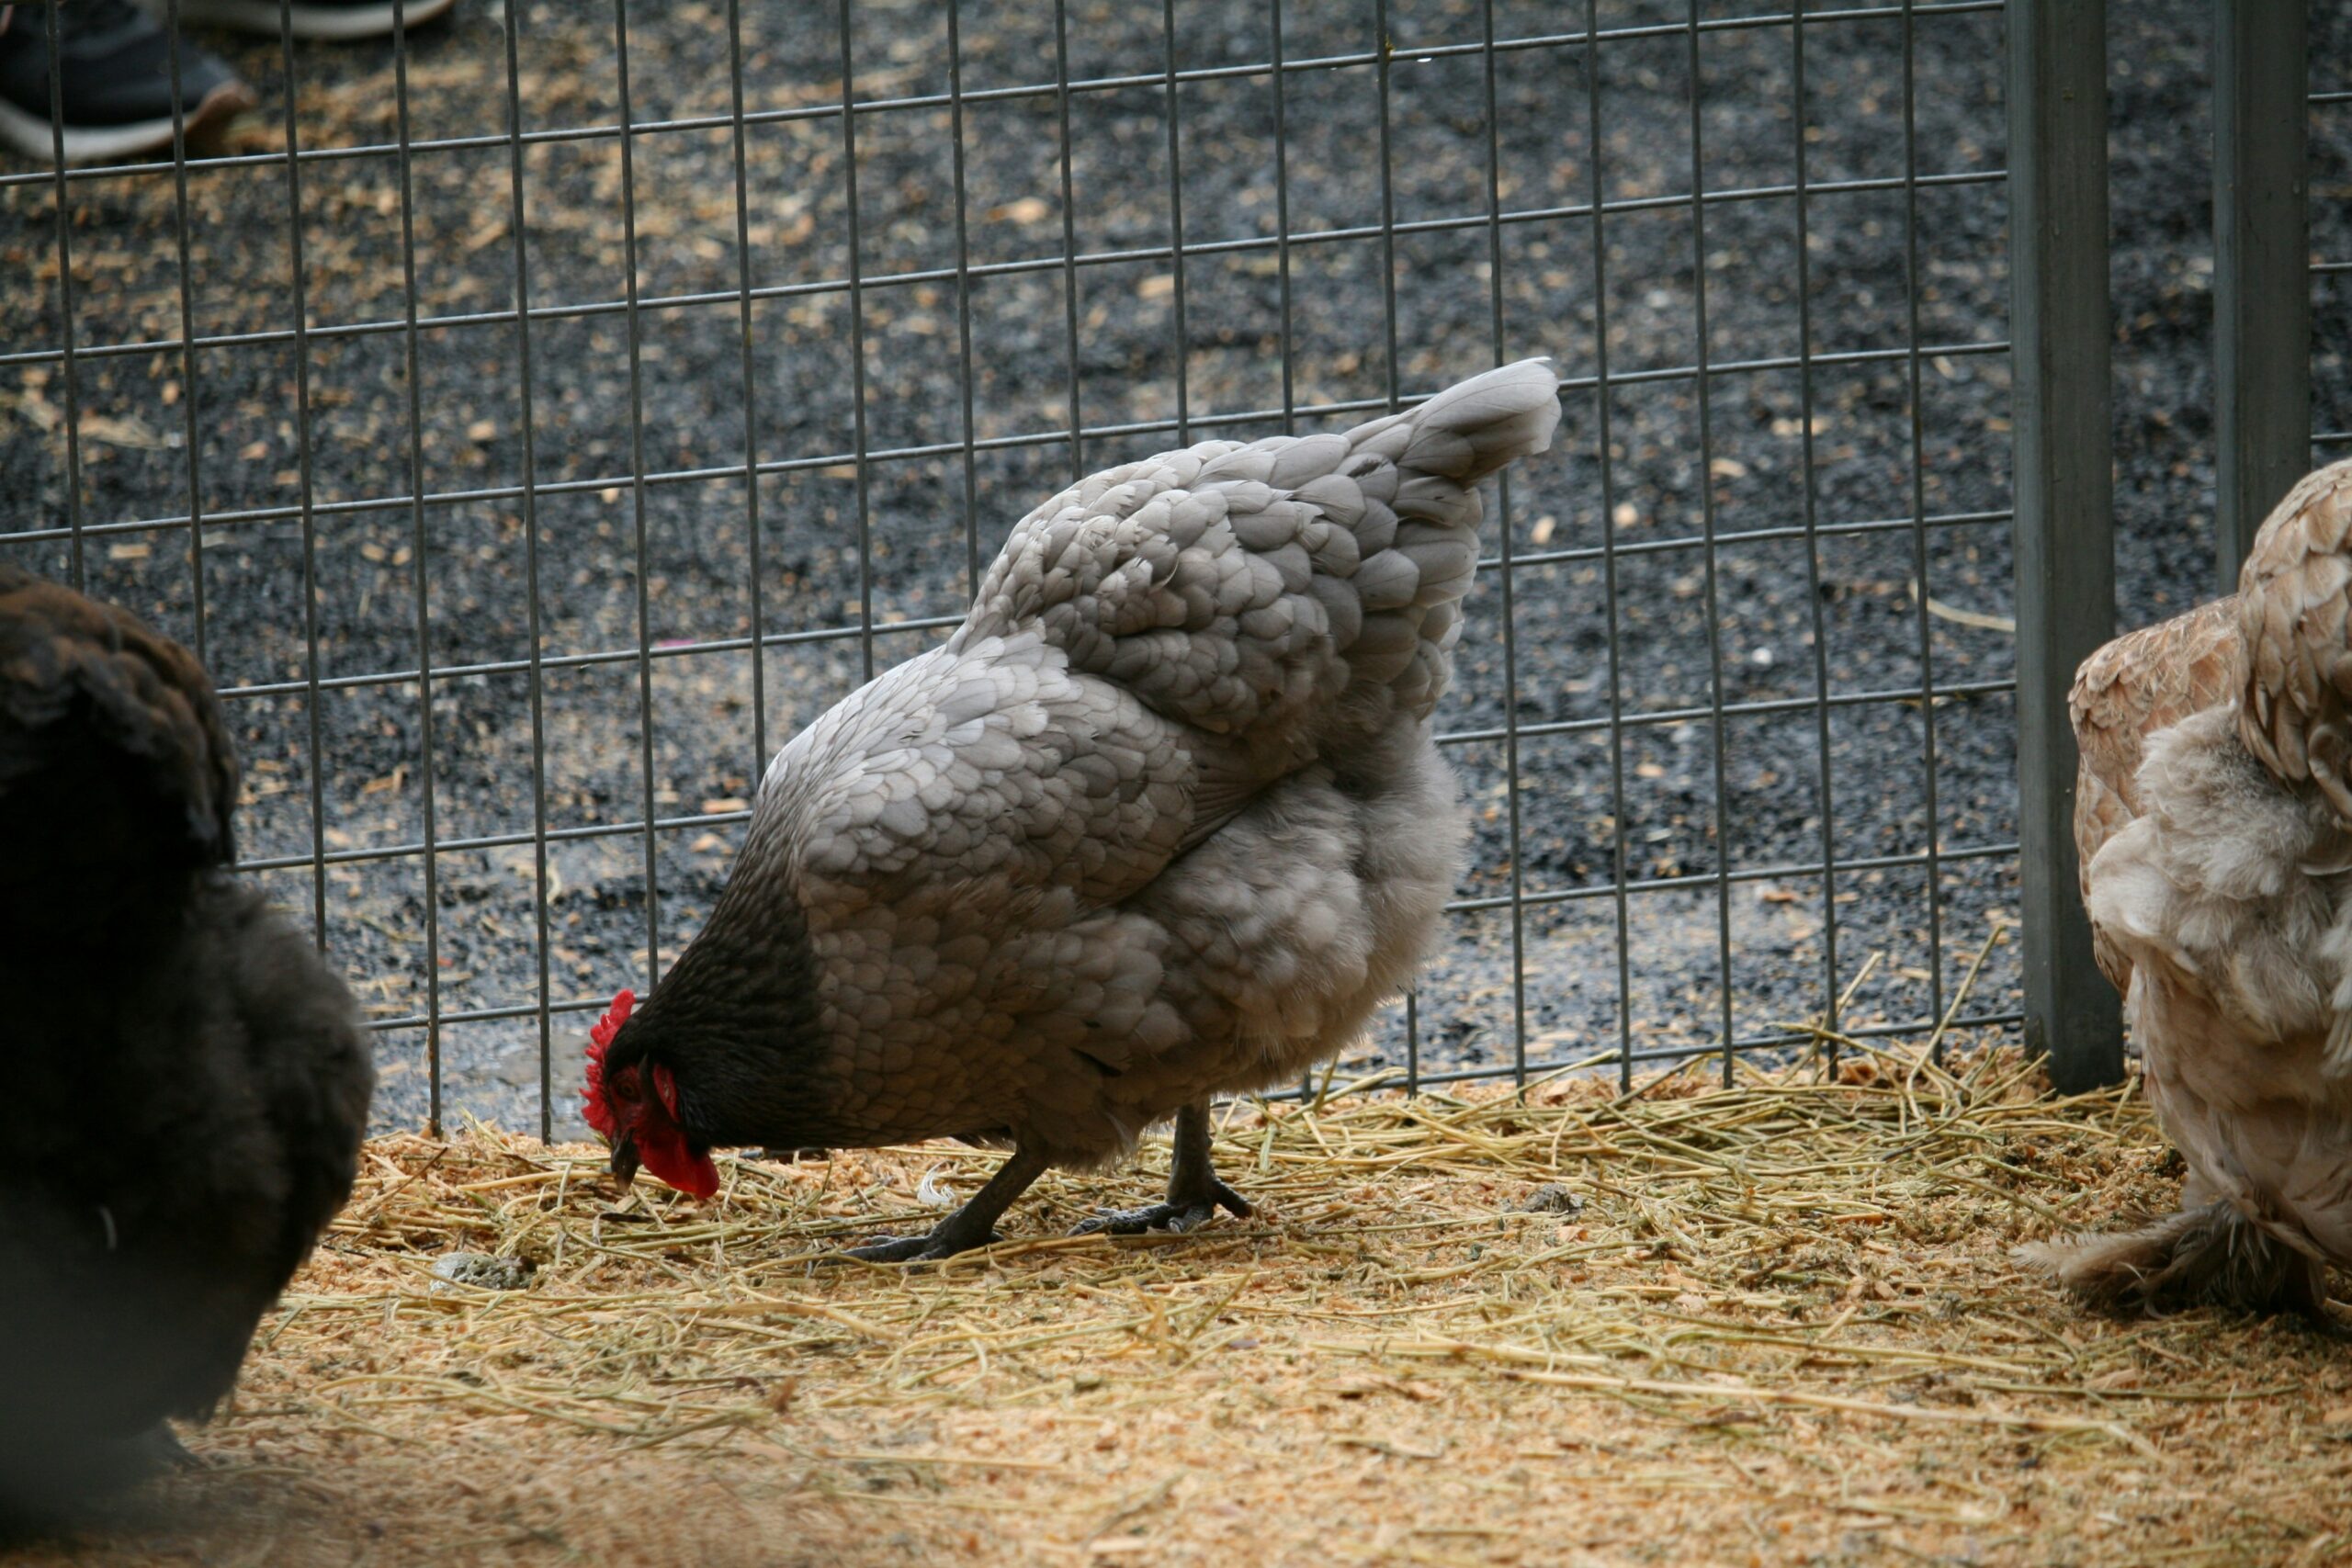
625	1160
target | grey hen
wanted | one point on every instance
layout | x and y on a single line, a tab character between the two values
1163	819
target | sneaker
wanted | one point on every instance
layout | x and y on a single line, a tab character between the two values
114	83
337	20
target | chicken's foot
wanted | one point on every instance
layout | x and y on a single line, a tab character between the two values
972	1225
1195	1193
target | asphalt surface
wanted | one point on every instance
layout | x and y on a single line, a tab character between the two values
1892	433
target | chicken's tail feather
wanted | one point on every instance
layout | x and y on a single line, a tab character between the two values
2212	1255
1476	427
1417	513
1295	592
2294	622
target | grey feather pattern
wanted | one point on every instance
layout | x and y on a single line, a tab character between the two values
1163	817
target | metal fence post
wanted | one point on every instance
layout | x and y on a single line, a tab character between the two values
2262	297
2066	556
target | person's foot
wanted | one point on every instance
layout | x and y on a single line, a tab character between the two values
114	84
335	19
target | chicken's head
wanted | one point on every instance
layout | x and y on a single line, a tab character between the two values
633	1105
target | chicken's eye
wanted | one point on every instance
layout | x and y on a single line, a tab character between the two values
626	1086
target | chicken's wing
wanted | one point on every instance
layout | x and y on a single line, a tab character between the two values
2140	684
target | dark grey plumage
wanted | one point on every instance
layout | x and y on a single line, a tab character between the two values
188	1081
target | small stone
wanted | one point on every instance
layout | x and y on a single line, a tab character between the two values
481	1271
518	1069
1552	1198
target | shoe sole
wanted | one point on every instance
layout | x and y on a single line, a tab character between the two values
33	136
308	21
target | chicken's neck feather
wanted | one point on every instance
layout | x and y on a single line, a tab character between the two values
735	1018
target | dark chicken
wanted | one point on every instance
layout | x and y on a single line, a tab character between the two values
1162	820
187	1083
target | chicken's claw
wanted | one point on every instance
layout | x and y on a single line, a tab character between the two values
972	1225
928	1248
1176	1216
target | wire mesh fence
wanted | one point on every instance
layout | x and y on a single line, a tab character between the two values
535	418
2327	184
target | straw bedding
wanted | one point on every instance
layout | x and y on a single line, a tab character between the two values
1773	1323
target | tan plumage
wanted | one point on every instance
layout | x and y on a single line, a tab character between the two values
2140	684
2215	820
2292	611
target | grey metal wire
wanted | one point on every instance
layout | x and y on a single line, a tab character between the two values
1183	426
1935	892
923	276
966	390
419	554
911	626
1568	727
611	131
534	663
1393	375
1798	118
637	499
1170	80
1746	1045
1385	53
754	561
1070	237
1504	574
860	459
51	20
1281	217
1610	547
230	518
1763	874
530	565
305	492
2323	439
190	433
64	304
1707	525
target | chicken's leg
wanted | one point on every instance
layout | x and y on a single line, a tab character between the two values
972	1225
1193	1191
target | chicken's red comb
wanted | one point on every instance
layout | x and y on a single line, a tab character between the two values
598	1113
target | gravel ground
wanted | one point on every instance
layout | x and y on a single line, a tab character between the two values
1257	325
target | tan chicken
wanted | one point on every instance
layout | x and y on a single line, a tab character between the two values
2214	821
